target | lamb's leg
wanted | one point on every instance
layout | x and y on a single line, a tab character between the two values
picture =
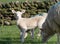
22	35
58	38
32	33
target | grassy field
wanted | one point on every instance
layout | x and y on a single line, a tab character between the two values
5	1
11	35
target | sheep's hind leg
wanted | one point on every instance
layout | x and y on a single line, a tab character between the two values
22	35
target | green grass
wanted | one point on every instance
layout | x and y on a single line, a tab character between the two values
5	1
11	35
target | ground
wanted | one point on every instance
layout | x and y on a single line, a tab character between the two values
5	1
11	35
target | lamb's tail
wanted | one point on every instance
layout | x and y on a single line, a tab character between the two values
44	14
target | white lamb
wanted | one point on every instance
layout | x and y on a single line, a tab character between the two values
25	24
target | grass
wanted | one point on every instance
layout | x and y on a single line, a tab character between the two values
5	1
11	35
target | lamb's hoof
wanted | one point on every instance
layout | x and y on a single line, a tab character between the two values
21	40
32	38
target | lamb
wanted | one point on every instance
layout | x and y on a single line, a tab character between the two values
52	23
25	24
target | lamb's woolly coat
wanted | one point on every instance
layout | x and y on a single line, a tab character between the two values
52	23
31	23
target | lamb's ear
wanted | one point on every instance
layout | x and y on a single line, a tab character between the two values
13	11
23	11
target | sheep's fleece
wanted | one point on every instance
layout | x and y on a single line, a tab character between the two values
52	22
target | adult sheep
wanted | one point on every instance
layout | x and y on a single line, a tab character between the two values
25	24
52	23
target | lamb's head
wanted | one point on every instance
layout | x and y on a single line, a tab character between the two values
18	14
23	11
